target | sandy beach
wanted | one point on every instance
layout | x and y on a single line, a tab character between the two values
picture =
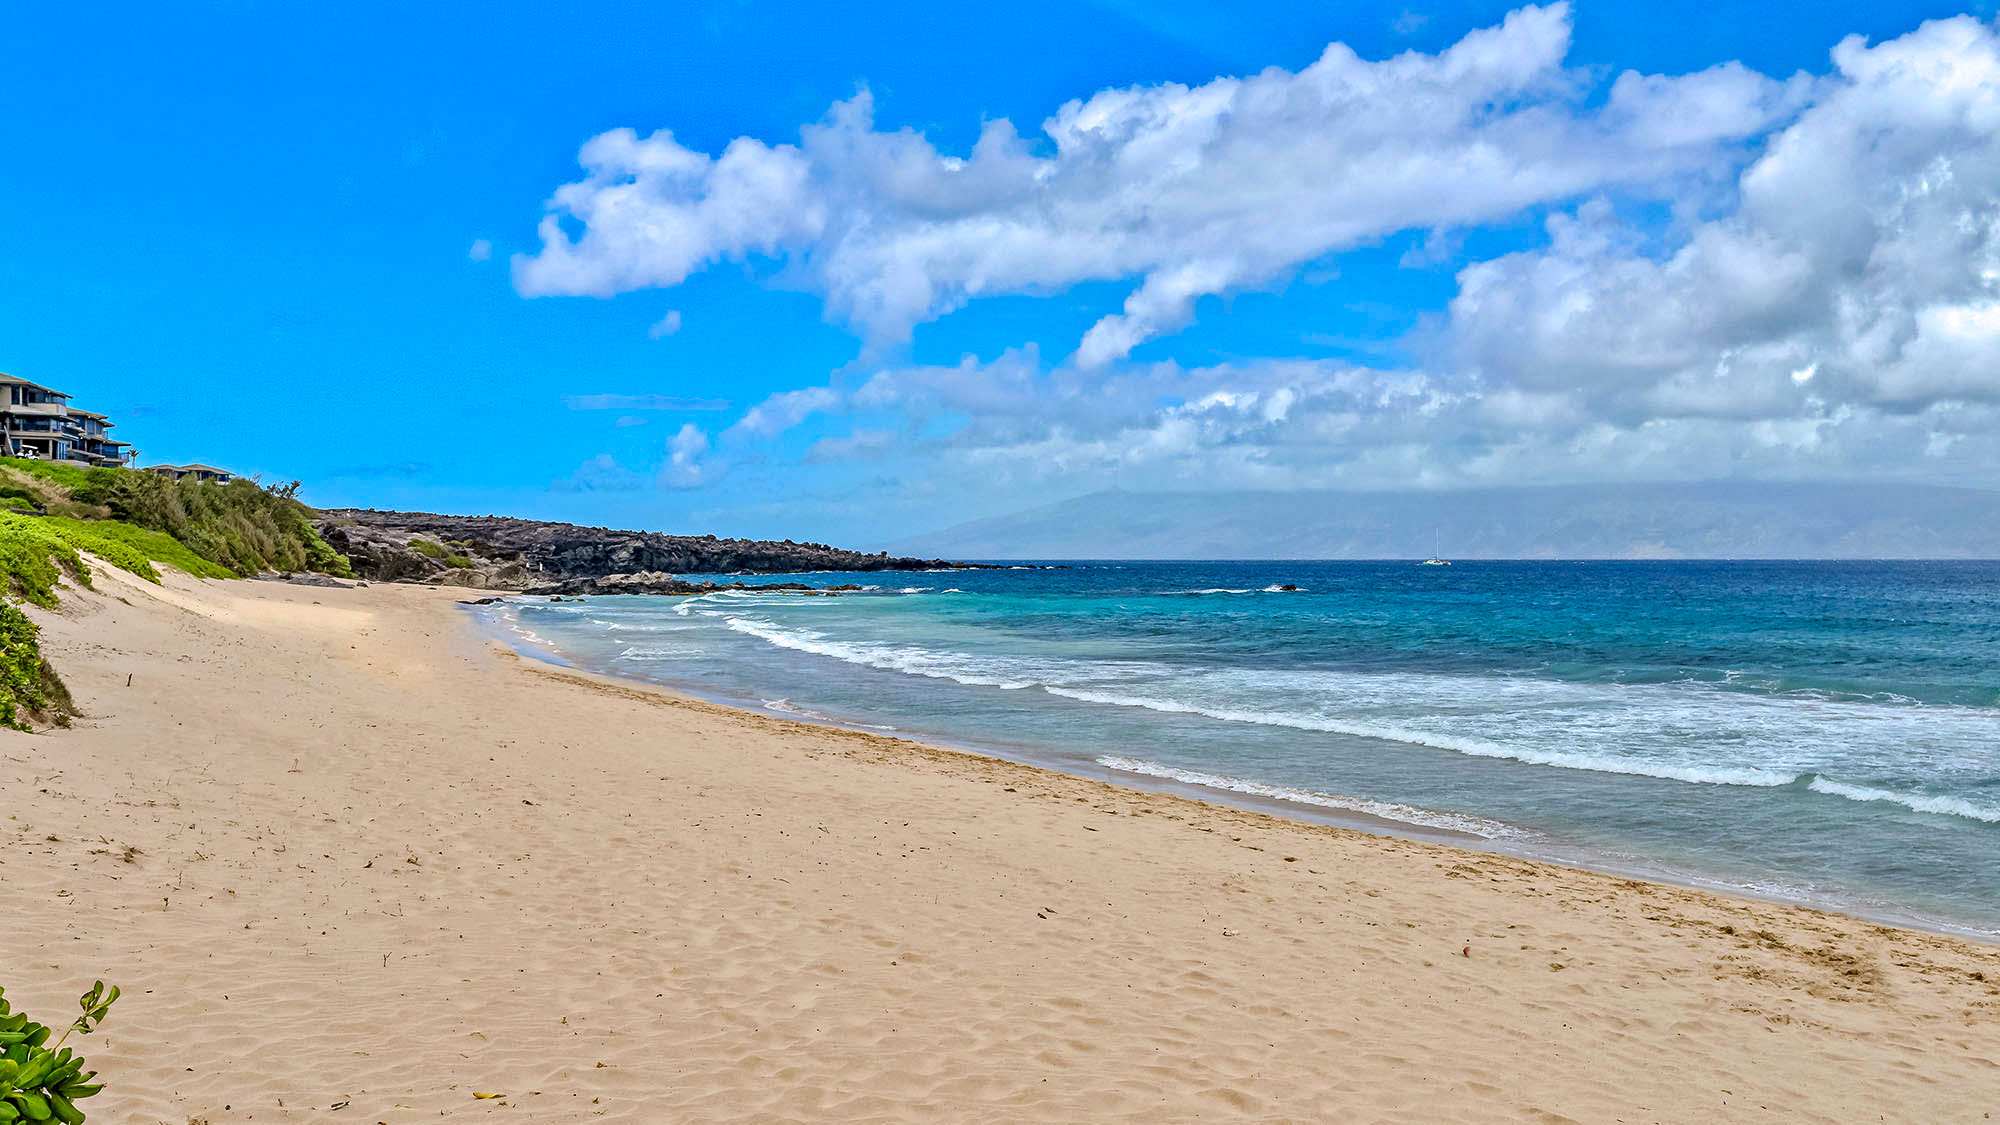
352	861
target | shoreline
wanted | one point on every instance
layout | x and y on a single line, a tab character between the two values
1084	766
296	816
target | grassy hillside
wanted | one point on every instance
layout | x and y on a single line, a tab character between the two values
53	515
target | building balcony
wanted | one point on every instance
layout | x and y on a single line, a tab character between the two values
45	409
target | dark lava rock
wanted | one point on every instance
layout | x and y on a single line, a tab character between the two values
655	582
306	578
502	553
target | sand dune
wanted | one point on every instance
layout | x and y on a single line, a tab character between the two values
342	852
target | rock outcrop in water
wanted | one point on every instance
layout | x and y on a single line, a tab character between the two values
502	553
654	582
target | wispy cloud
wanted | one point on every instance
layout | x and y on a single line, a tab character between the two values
398	470
642	402
601	473
784	410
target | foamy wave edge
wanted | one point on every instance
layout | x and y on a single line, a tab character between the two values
1917	802
1485	829
1747	776
1694	775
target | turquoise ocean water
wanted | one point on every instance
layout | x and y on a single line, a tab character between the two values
1824	732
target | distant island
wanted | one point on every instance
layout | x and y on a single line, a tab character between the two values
1711	520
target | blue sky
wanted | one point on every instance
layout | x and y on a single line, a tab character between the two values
303	242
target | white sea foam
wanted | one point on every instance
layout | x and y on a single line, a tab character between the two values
1596	763
1920	802
658	652
1635	731
1274	588
1016	675
787	707
911	660
1452	821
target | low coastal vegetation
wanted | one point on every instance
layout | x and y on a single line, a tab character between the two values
40	1082
442	553
29	688
53	515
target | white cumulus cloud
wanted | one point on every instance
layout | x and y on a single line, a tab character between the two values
688	463
1190	191
1862	264
1822	297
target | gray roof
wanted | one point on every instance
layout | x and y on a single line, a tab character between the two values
16	380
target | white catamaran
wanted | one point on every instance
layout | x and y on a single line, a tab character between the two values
1434	560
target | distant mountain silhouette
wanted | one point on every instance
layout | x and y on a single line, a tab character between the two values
1735	519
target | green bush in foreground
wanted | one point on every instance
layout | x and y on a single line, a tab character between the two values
43	1083
29	688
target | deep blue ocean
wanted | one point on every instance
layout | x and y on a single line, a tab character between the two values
1819	731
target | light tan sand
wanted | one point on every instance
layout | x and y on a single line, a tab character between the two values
384	863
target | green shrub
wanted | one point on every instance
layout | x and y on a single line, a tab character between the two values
35	551
34	558
106	538
29	688
240	525
322	558
427	549
121	555
43	1083
66	476
458	562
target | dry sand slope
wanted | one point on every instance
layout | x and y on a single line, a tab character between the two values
353	864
